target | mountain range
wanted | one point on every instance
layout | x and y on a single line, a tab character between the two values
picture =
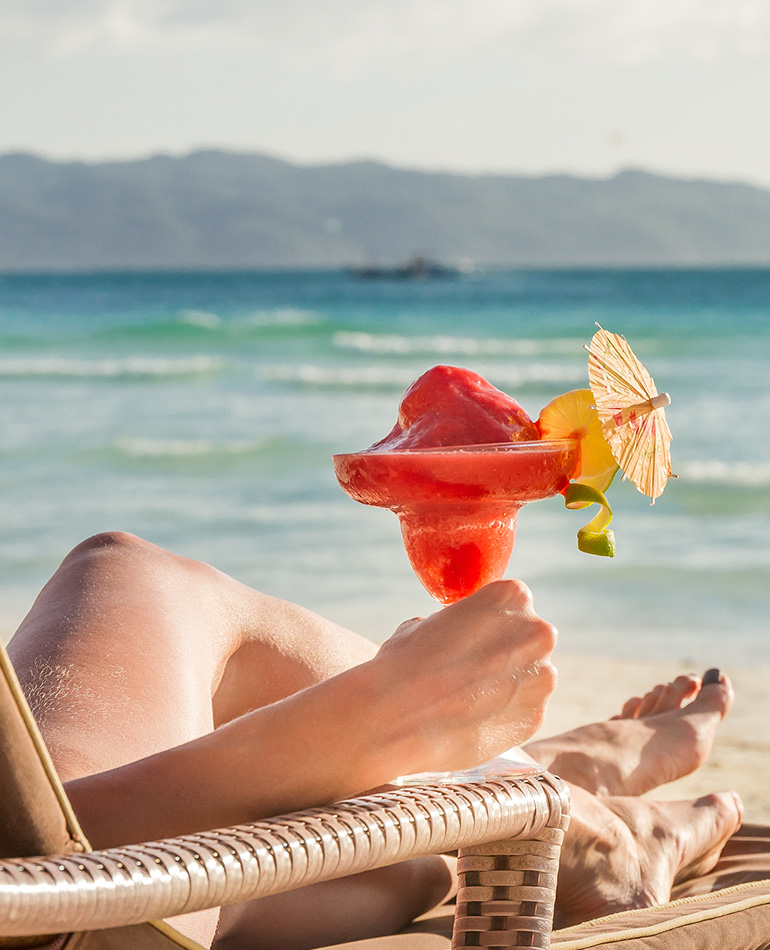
217	210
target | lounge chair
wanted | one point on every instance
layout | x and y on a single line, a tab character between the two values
55	892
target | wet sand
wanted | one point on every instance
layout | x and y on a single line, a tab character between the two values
594	688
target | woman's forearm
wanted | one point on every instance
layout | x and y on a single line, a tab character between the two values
320	745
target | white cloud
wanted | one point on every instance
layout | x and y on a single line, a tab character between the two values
477	85
695	29
356	32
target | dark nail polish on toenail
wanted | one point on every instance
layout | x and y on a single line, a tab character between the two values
712	676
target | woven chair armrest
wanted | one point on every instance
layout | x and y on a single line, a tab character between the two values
138	883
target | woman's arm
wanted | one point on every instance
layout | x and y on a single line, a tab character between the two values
446	692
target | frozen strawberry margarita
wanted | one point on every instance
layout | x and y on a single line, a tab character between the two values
461	460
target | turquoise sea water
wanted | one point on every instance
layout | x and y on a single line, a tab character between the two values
201	411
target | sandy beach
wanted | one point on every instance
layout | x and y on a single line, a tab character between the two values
593	688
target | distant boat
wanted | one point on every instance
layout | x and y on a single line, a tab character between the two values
418	267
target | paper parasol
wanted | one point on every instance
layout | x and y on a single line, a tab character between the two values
631	412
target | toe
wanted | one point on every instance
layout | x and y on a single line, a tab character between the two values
630	708
670	696
714	693
650	701
715	696
678	693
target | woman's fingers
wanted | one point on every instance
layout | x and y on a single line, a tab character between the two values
479	672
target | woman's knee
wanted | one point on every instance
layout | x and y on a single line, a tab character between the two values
109	553
111	544
120	554
117	588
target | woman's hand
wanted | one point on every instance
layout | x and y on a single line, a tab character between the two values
466	683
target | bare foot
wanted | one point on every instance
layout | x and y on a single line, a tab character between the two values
657	738
624	853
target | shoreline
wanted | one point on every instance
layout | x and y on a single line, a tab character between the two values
594	688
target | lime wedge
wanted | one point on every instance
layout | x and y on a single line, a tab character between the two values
595	537
601	543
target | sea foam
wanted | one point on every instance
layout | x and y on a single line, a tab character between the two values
730	474
149	448
132	366
395	376
442	344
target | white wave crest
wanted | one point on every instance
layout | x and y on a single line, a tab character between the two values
282	317
134	366
442	344
394	376
511	377
720	472
144	448
203	319
341	377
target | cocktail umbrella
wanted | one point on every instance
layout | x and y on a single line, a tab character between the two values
631	412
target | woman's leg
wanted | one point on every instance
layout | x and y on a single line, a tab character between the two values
130	649
370	904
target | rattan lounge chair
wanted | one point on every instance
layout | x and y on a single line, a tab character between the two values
58	894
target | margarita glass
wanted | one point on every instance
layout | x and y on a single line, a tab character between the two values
458	506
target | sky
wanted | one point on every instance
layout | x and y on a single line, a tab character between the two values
586	87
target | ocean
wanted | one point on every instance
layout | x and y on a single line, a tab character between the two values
201	411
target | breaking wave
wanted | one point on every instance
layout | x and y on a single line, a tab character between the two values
391	376
718	472
140	367
395	344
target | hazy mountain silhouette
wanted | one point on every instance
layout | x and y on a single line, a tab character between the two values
215	209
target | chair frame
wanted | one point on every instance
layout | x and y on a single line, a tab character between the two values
508	833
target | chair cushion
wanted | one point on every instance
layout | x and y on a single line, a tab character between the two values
736	918
138	937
